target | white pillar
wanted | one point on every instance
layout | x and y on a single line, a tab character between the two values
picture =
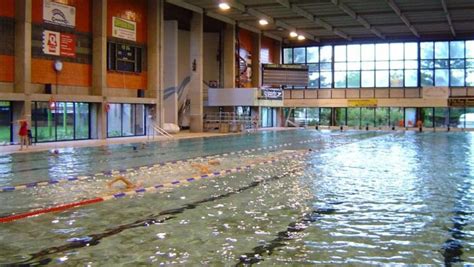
99	64
229	57
170	73
195	84
155	57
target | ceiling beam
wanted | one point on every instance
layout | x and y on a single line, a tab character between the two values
259	15
298	10
358	18
397	10
185	5
448	17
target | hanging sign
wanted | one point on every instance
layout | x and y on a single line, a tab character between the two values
59	44
366	103
59	14
272	93
124	29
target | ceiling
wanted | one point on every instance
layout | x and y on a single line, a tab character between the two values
330	21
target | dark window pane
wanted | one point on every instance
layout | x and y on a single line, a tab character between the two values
427	64
441	64
470	63
312	54
353	117
456	49
313	67
114	120
457	64
326	66
368	78
340	116
426	77
65	121
340	79
396	117
82	120
353	79
367	117
441	77
45	122
288	55
325	116
457	77
411	78
299	55
426	50
441	50
427	117
396	78
5	122
381	117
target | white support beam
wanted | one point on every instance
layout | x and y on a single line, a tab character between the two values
185	5
397	11
358	18
448	17
298	10
220	17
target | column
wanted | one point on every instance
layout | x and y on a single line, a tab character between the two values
155	58
277	56
99	66
228	79
22	110
170	73
256	73
195	84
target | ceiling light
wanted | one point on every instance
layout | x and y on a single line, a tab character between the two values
301	37
293	34
263	22
224	6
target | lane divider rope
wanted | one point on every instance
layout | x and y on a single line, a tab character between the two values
155	188
144	167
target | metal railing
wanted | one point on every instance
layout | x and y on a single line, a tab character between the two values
157	129
229	121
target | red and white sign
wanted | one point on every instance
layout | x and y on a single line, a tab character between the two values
59	44
51	43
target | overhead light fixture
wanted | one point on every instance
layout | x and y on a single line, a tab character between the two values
263	22
293	34
301	37
224	6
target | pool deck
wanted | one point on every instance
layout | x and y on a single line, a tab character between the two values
12	149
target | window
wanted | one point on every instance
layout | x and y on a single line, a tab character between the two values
126	120
299	55
287	55
60	121
5	122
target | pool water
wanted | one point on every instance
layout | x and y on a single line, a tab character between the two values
356	198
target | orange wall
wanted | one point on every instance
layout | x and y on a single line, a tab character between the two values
7	70
136	11
271	46
73	74
126	81
7	8
83	13
132	10
245	39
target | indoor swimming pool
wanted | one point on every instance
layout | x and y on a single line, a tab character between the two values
296	197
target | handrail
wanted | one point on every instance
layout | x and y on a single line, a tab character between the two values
160	130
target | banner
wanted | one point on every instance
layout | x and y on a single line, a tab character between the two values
124	29
362	103
59	14
59	44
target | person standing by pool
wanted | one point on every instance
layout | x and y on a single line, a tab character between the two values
23	133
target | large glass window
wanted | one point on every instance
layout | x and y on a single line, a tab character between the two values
367	116
59	121
5	122
399	64
353	117
396	117
312	115
126	120
325	116
382	117
427	115
341	116
441	118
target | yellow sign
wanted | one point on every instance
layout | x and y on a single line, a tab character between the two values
366	103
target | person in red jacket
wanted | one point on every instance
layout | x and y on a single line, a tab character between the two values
23	133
